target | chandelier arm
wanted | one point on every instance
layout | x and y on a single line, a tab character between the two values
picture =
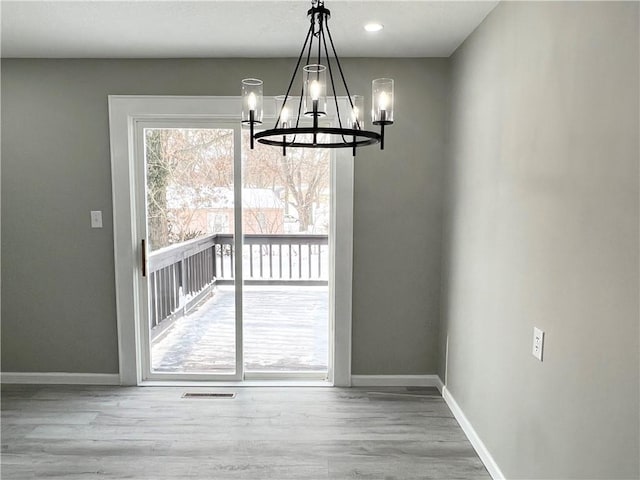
295	72
333	85
302	87
335	54
310	35
320	31
317	16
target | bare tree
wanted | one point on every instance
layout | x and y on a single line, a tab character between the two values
158	171
189	163
302	175
185	168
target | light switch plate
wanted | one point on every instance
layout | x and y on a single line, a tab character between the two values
538	343
96	219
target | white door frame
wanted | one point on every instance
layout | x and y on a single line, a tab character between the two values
124	112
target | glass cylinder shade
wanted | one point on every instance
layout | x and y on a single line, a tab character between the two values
251	100
382	100
286	111
357	112
314	79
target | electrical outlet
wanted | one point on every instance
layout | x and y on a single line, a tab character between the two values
538	343
96	219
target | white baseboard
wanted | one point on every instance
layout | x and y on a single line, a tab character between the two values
396	381
473	437
60	378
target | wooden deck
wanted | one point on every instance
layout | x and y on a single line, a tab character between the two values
286	328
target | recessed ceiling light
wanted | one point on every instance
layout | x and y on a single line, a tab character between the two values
373	27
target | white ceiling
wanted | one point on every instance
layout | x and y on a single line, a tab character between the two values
237	28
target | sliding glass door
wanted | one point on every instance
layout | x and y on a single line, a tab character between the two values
286	202
190	210
236	255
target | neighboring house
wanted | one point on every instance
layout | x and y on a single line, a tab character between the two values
210	210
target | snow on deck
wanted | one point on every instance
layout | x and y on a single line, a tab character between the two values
285	329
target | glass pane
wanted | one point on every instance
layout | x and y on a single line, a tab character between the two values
285	211
190	212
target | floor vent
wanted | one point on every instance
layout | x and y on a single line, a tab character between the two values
208	395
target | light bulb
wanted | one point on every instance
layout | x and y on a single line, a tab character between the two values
383	101
284	115
373	27
356	114
252	101
314	90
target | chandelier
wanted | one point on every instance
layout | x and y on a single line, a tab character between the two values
298	122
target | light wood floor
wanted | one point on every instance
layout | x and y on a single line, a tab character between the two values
81	433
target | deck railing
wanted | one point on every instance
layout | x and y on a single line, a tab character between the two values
181	275
275	259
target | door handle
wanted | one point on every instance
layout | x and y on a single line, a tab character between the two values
144	258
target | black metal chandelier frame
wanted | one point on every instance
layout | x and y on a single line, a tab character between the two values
308	137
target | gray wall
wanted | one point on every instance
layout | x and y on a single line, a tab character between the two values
542	230
58	302
542	225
